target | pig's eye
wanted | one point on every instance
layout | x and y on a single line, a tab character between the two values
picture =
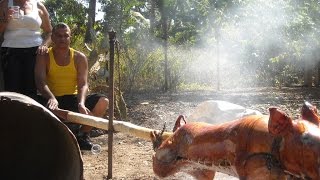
166	155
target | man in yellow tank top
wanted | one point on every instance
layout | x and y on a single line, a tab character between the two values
61	78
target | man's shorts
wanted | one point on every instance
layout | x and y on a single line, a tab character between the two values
70	102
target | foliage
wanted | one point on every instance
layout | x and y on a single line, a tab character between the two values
235	43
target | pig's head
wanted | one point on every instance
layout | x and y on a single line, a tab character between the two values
172	155
300	147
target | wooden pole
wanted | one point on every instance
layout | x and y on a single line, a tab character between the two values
112	39
101	123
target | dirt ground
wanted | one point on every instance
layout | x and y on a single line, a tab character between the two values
132	156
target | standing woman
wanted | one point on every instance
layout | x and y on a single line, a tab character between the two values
25	36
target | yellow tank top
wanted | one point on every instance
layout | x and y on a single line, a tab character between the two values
62	80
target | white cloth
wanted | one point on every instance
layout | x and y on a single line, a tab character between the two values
24	32
215	112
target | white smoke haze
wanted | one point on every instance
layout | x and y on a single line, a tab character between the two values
247	43
248	35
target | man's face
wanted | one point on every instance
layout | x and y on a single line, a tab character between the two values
61	37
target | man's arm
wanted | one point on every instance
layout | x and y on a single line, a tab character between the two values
40	79
82	80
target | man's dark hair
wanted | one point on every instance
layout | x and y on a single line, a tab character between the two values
59	26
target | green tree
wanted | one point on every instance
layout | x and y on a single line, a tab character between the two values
72	12
91	21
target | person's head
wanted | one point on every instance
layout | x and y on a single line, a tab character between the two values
61	35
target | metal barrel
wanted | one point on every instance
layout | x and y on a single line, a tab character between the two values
35	144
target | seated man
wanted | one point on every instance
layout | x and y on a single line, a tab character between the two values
61	78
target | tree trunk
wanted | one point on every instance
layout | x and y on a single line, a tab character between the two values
165	47
91	21
164	24
308	71
152	16
317	77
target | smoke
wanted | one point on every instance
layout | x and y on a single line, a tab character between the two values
250	36
259	23
248	43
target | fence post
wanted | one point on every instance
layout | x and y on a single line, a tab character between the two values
112	39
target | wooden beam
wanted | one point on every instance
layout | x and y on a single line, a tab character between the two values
101	123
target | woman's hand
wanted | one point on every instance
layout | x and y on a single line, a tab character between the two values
10	13
42	49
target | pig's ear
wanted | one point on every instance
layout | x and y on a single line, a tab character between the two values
279	122
178	123
309	112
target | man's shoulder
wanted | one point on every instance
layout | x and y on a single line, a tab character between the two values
78	53
80	57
